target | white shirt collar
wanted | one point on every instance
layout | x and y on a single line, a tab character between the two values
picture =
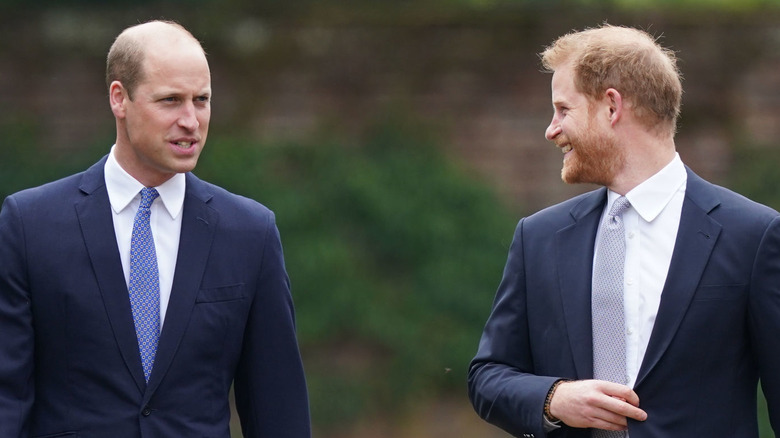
653	195
123	188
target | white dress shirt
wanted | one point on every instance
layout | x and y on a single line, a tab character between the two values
651	226
124	195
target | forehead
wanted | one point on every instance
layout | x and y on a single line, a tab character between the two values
564	90
176	64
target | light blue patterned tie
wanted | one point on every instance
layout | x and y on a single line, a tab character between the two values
609	339
144	284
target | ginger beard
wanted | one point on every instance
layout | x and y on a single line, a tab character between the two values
595	156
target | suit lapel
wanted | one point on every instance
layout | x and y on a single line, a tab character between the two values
97	228
574	275
197	231
696	238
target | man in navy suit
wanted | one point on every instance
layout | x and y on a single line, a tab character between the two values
698	284
71	343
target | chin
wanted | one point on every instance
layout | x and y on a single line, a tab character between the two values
581	176
571	175
186	166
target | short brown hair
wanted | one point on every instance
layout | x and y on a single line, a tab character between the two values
628	60
125	58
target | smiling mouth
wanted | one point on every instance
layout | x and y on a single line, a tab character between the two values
566	148
184	144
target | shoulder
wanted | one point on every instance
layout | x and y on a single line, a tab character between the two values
63	190
567	212
50	195
230	206
725	205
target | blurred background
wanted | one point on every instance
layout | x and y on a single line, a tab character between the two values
398	143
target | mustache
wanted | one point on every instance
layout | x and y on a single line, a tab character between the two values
561	141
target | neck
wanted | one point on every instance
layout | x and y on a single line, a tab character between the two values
641	163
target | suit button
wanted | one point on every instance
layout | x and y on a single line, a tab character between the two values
146	412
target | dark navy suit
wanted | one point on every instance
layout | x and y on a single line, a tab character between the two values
717	328
69	361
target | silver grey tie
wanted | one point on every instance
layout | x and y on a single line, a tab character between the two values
609	341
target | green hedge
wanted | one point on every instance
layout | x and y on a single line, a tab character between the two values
394	255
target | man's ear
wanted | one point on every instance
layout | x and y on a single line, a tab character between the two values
615	102
118	97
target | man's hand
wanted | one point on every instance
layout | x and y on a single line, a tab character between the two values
595	403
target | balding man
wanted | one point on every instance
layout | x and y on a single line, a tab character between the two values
647	308
132	295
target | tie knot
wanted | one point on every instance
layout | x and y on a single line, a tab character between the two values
620	205
148	195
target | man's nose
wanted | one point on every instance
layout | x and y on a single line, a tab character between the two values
553	130
188	119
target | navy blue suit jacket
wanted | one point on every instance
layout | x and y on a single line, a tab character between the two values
69	361
717	328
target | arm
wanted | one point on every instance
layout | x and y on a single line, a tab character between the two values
765	318
502	385
508	390
270	387
17	339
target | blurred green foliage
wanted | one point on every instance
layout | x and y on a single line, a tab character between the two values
755	173
764	428
25	161
394	255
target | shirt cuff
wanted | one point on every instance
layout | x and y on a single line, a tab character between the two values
550	426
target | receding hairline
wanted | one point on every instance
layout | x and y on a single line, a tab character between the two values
152	31
134	44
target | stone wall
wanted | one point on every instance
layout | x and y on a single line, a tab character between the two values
475	79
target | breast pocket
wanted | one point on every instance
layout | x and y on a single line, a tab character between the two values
217	319
720	292
221	294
